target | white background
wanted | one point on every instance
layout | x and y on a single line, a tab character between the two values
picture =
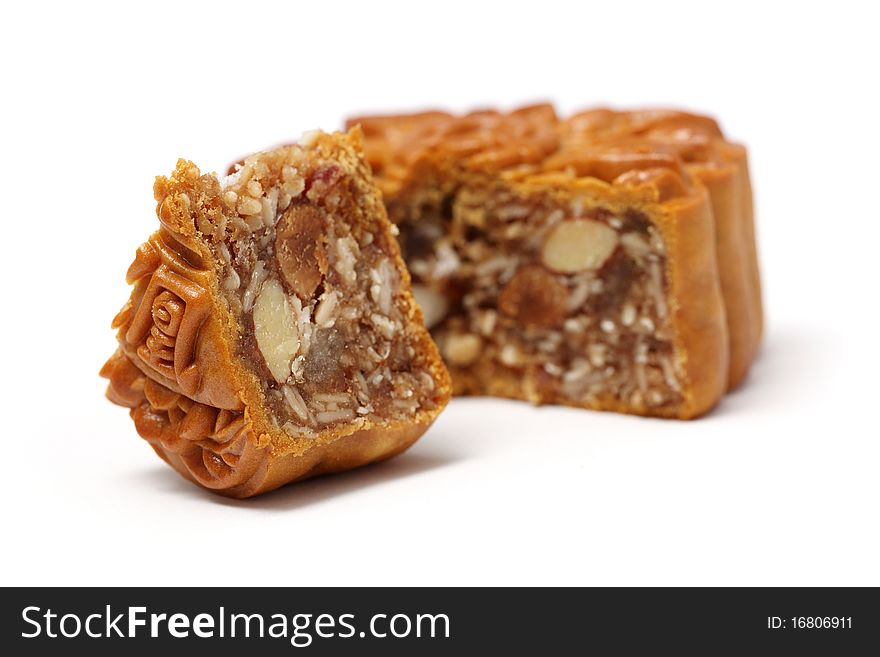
778	486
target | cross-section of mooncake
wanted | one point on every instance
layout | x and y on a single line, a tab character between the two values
271	334
603	261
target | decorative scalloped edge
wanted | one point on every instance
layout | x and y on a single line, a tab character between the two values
640	149
217	447
167	328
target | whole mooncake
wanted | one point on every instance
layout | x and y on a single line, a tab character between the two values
603	261
271	334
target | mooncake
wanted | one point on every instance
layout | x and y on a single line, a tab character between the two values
271	334
603	261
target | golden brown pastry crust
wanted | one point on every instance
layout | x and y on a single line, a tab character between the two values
663	162
191	395
219	449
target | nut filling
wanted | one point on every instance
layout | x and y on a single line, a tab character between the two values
318	293
571	299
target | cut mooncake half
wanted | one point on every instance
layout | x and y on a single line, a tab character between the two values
271	334
604	261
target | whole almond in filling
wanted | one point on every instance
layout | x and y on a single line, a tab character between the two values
433	304
301	248
578	245
275	329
